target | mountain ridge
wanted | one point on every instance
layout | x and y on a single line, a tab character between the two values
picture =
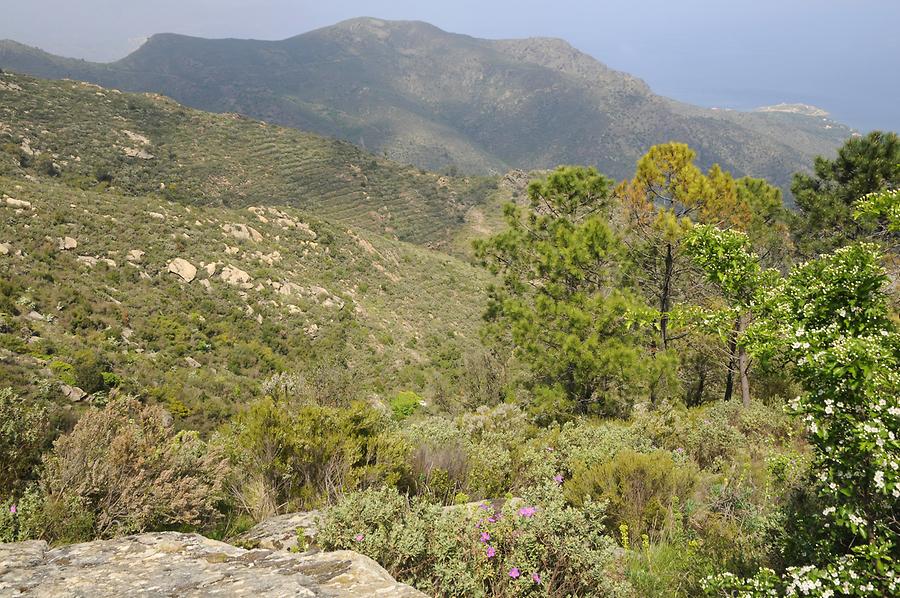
443	100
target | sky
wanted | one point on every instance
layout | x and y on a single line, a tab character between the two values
840	55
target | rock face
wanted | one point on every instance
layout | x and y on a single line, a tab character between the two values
183	268
17	203
174	564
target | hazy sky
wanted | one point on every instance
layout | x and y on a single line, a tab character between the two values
842	55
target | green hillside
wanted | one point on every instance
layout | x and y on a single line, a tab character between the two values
443	100
150	144
88	237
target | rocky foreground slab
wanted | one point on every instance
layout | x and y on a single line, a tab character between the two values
175	564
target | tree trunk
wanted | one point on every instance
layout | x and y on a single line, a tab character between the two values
744	367
732	359
665	297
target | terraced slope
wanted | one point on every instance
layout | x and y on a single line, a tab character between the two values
439	100
148	144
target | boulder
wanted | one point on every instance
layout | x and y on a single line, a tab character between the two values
191	362
67	244
5	248
17	203
87	260
134	152
236	276
242	232
183	268
176	564
72	393
135	256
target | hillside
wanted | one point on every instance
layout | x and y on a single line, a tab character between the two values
440	100
141	144
91	250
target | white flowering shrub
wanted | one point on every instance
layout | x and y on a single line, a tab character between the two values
830	318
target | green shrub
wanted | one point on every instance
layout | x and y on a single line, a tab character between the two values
64	371
287	458
405	404
642	490
24	427
89	368
715	434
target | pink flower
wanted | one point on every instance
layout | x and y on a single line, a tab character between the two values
535	578
490	552
492	519
485	536
558	479
484	506
549	449
12	509
527	511
514	572
358	537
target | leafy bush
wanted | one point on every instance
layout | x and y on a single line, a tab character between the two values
405	404
89	368
642	490
131	471
24	425
534	546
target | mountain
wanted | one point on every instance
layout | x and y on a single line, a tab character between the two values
442	100
199	254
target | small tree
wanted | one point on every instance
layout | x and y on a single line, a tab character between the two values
729	264
827	197
561	298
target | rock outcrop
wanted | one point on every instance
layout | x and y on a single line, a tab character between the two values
175	564
242	232
17	203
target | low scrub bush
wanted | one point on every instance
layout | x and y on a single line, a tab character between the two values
534	546
24	427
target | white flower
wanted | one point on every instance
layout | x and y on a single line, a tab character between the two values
879	480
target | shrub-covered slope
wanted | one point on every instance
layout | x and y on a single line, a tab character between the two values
272	290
